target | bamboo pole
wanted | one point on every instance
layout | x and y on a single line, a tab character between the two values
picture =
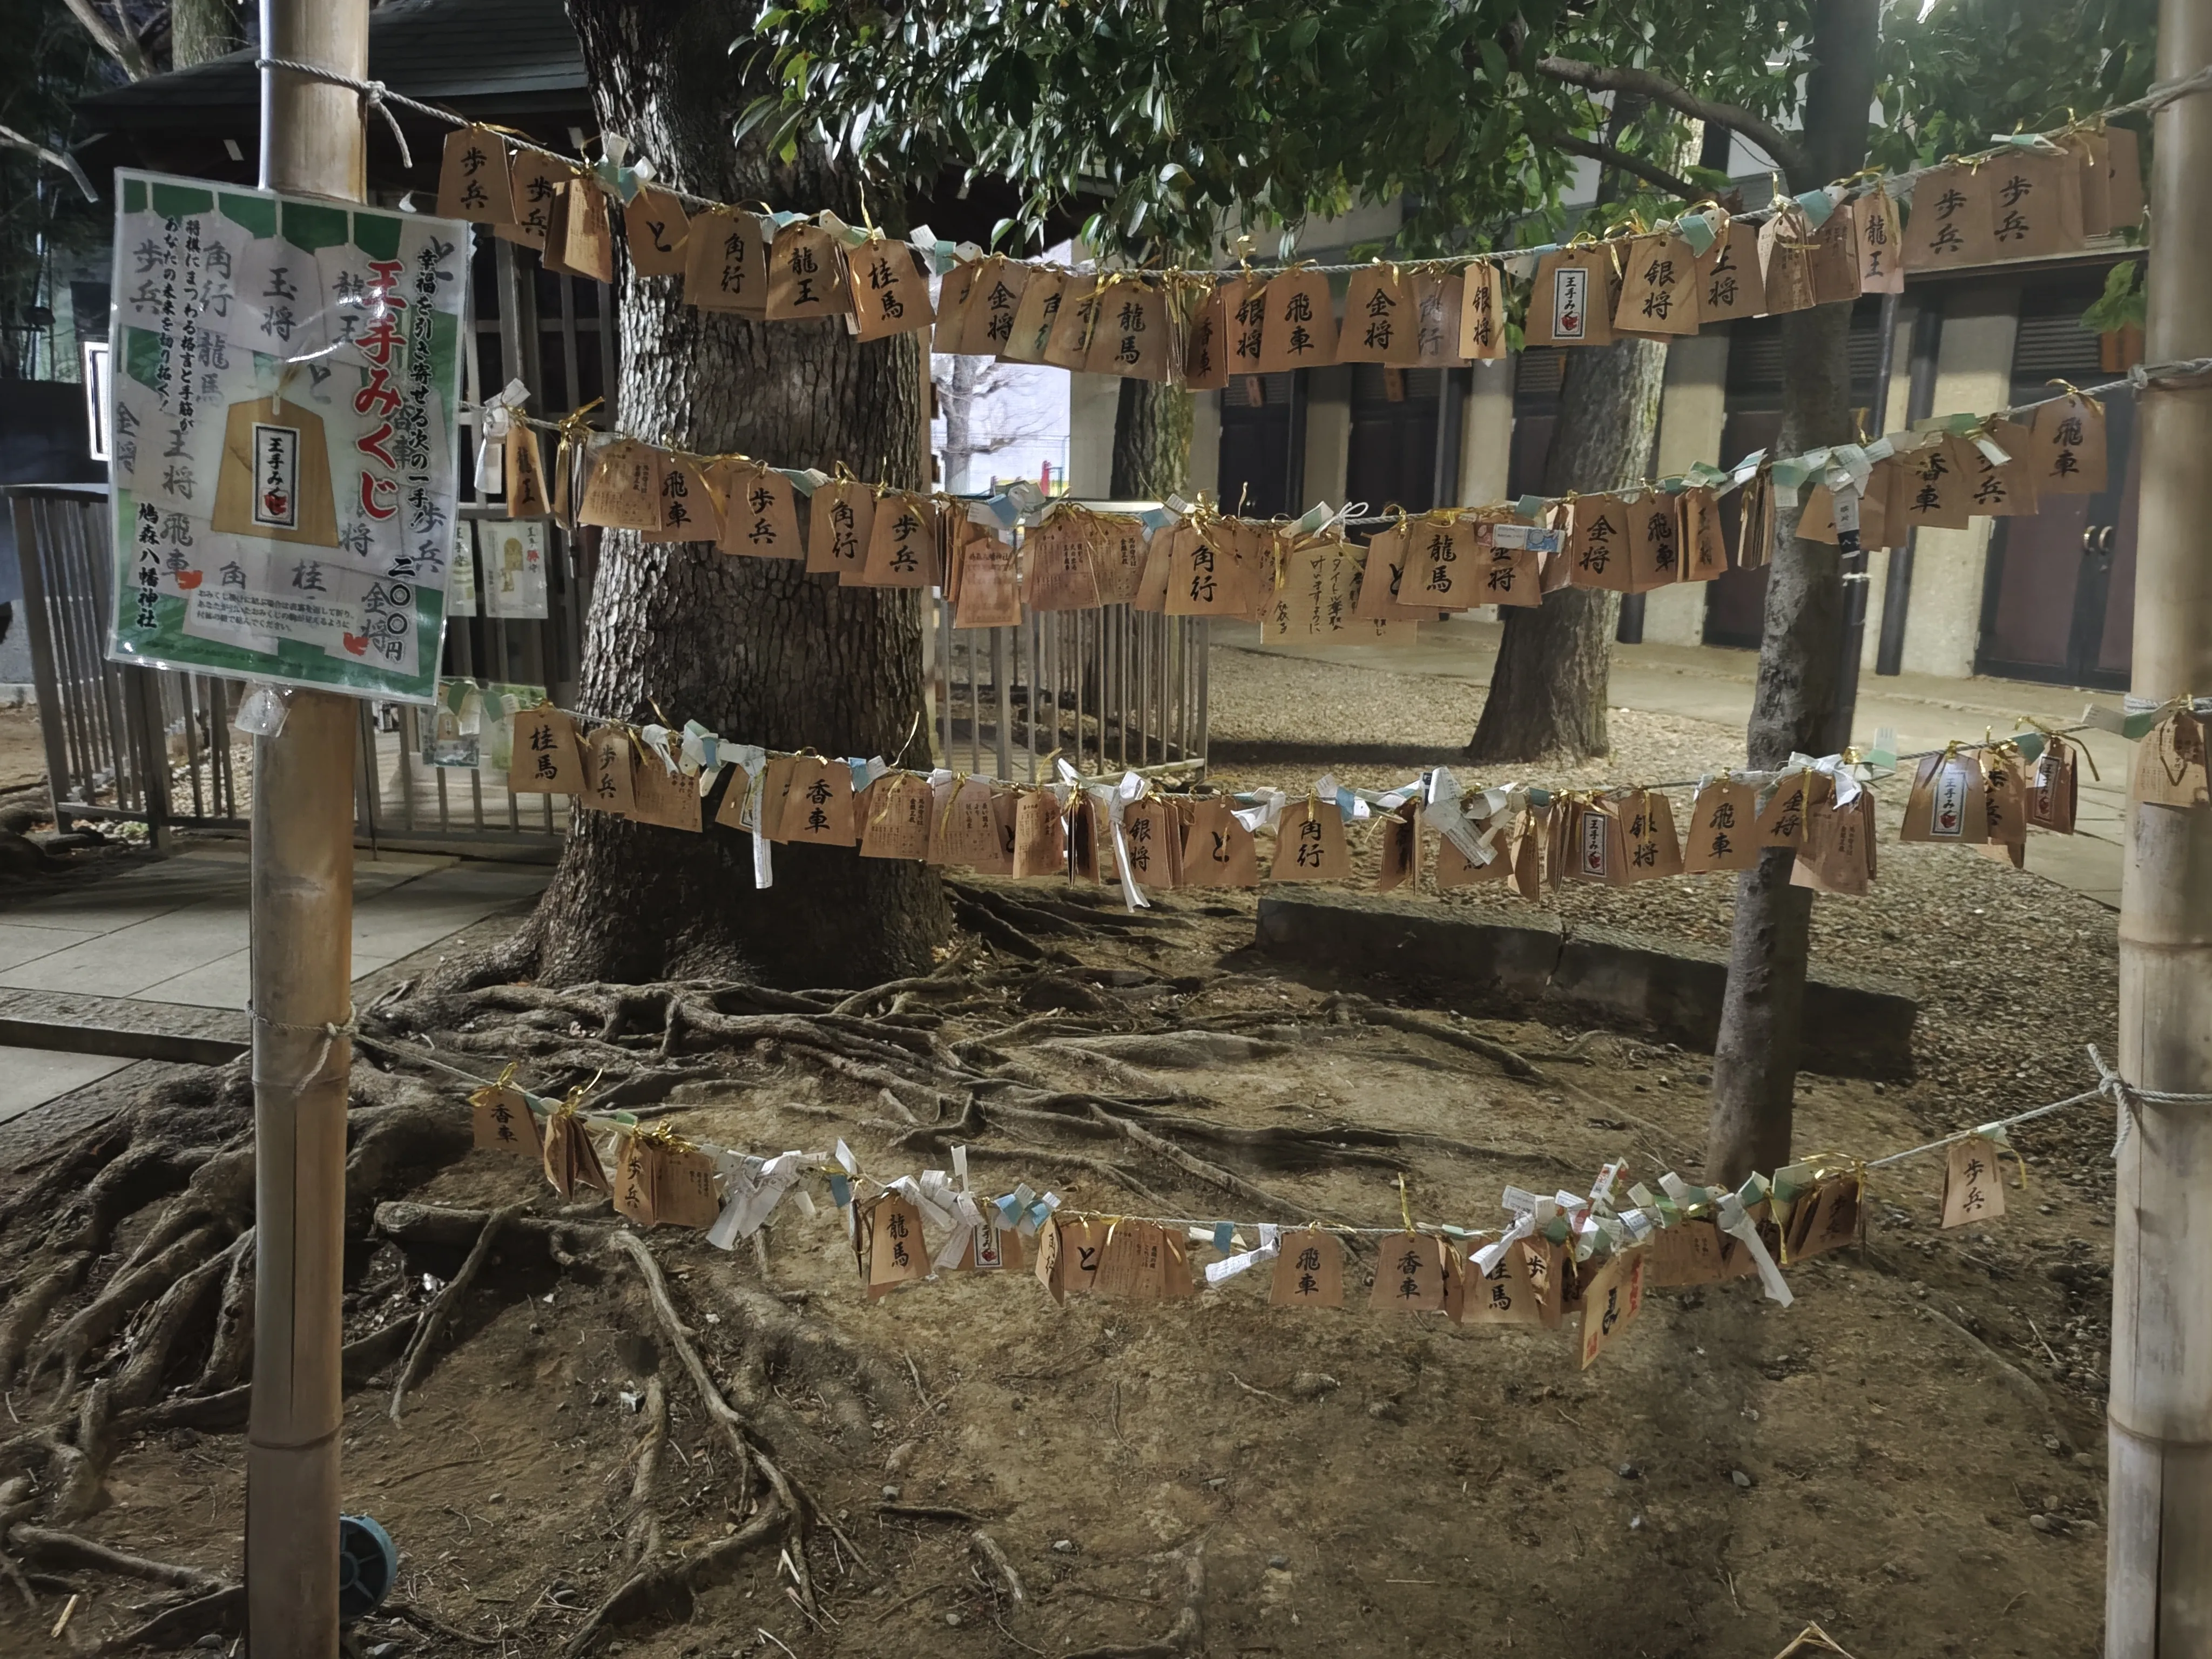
302	881
2158	1584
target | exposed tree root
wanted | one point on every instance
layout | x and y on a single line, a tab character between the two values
232	1351
217	1611
562	1241
28	1307
180	1310
433	1321
1186	1635
643	1538
66	1549
988	1546
126	1293
1511	1062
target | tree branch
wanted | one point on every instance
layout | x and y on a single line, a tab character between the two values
61	159
1650	172
119	43
1788	153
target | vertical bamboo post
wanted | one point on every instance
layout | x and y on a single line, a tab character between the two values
302	884
2158	1583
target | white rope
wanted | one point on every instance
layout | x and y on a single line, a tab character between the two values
374	96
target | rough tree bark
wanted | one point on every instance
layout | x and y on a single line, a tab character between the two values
201	30
1755	1059
1151	443
751	647
1547	690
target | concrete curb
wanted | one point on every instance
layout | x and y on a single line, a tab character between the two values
1855	1025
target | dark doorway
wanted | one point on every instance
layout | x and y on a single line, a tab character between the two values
2058	594
1390	460
1736	600
1260	445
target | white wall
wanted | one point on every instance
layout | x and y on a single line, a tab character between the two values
1328	438
1691	411
1973	372
1206	444
1091	401
1486	434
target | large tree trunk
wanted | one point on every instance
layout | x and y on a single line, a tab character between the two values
1151	443
201	30
1755	1059
751	647
1547	689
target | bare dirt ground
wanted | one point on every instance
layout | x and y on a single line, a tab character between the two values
1912	1456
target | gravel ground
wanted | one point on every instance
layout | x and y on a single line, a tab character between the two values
2015	974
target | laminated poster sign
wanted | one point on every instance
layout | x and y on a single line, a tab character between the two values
285	463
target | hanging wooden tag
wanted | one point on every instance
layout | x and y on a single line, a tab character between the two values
2124	185
1482	312
1073	323
687	505
1309	1270
817	803
993	301
1309	843
1379	321
1204	575
525	474
1442	568
775	794
1454	868
1529	852
1597	554
1206	357
1040	835
1785	262
805	274
736	784
725	263
895	818
2068	437
1973	1184
1300	326
1730	284
1817	522
636	1165
623	491
891	294
579	241
537	178
571	1160
1381	590
1148	827
608	759
1510	568
2169	763
990	582
1597	843
1398	848
2001	490
1781	820
1151	593
1951	224
1439	300
1703	550
1653	849
889	1244
1722	820
657	233
2052	791
504	1122
760	514
1034	317
901	544
1654	539
1410	1274
1834	258
1931	489
545	757
954	291
1614	1297
1131	336
668	799
1880	242
2035	204
840	519
1217	850
1057	573
1118	557
1839	853
274	480
683	1188
1659	289
473	179
1571	303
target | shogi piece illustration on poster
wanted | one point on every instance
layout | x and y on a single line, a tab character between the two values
512	554
286	460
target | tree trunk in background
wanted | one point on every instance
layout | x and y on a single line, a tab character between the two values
1755	1058
1547	689
201	30
751	647
1151	443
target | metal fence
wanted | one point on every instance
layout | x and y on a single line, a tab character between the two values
1111	690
